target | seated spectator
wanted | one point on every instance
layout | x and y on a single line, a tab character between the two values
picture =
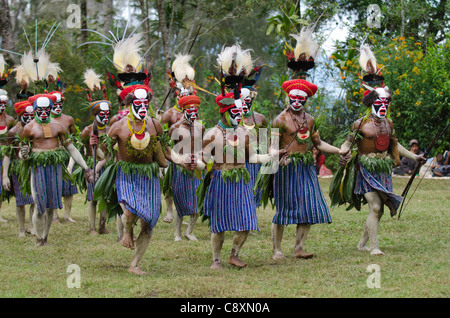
407	165
441	168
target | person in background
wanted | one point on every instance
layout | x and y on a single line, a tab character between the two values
408	165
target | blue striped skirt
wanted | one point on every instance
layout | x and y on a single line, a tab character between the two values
68	187
182	192
298	196
367	182
47	187
253	170
140	195
90	186
21	199
231	205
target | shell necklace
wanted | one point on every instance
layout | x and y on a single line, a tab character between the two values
139	140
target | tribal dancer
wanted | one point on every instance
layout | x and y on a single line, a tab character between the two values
370	168
139	155
298	197
253	121
11	169
46	161
226	194
69	189
182	77
101	110
185	133
6	123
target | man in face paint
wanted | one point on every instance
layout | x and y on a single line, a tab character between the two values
296	181
101	109
6	123
69	190
226	210
47	136
187	136
379	146
25	113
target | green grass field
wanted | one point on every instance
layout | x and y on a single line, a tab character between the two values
415	264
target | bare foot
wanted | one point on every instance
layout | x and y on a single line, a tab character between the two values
363	248
30	231
93	232
70	220
127	240
177	238
136	270
278	256
103	231
216	265
39	242
56	220
168	219
190	237
21	234
300	253
236	261
376	251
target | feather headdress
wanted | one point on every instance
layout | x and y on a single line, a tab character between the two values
182	75
127	54
2	65
301	58
368	63
234	64
94	83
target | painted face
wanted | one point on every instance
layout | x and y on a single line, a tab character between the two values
57	106
297	99
102	116
381	104
247	105
235	113
43	108
28	115
139	105
3	101
191	113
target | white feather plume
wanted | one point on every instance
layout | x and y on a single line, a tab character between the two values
52	71
127	53
182	69
234	61
367	59
92	80
2	64
305	44
22	77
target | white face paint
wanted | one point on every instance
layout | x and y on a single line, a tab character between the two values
57	105
247	105
102	116
3	102
235	113
297	99
28	115
381	104
139	105
43	108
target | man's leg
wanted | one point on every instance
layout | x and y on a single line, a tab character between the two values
217	240
142	243
302	234
20	214
2	220
169	214
68	208
277	237
30	228
189	234
371	226
102	224
178	221
38	220
119	226
238	241
128	220
92	207
48	224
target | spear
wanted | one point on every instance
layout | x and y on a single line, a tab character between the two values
94	147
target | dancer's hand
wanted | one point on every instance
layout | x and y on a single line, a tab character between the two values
421	159
89	175
190	162
24	151
6	183
94	140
